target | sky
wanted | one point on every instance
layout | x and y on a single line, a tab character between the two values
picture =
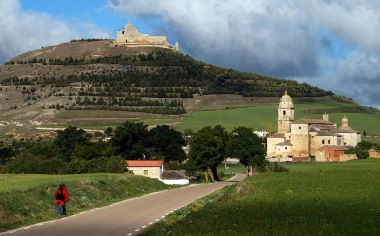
332	44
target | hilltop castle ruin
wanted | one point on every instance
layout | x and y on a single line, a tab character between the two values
131	37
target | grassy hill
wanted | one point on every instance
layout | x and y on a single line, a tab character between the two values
310	199
264	116
28	199
94	83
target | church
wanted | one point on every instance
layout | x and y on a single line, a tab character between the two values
303	139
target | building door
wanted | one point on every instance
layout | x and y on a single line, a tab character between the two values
146	172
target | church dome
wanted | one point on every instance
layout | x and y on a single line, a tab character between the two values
286	97
286	101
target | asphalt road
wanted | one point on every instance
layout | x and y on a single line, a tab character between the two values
128	217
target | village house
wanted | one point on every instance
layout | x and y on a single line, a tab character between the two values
298	140
332	153
148	168
373	153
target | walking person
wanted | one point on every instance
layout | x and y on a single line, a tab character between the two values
61	199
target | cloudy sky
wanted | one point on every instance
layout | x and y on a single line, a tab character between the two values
334	44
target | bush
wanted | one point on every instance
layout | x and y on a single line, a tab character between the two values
111	164
3	169
29	164
276	167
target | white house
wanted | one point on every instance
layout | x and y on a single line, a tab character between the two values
148	168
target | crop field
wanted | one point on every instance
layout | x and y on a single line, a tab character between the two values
309	199
28	199
372	139
264	117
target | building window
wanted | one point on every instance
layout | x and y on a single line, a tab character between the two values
286	148
146	172
299	127
284	113
328	141
323	141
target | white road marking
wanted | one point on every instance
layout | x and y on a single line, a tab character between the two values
162	217
143	226
130	234
150	223
157	220
137	230
12	231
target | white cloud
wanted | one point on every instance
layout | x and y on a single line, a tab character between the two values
26	30
280	38
237	33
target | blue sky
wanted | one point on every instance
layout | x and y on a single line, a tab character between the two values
331	44
93	11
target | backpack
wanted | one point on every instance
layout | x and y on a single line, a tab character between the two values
60	195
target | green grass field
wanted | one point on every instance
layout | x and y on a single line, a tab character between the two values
309	199
264	117
372	140
28	199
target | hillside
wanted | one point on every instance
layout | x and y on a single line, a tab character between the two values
58	85
27	199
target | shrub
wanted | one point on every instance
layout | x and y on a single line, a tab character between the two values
30	164
276	167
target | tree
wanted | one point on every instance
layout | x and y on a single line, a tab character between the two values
220	132
6	153
128	140
166	143
246	146
68	139
205	151
108	132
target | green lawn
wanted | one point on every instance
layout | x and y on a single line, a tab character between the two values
264	117
28	199
309	199
372	140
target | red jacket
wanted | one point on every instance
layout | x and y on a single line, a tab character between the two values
65	195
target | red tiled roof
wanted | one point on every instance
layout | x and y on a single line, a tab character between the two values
144	163
285	143
311	121
277	135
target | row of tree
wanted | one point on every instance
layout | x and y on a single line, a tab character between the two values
75	151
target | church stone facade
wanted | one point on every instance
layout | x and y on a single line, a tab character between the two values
131	37
301	139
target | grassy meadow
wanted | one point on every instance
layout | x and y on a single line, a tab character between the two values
309	199
372	139
264	117
28	199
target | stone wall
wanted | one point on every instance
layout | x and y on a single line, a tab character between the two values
131	37
300	140
152	172
351	139
283	151
374	154
271	145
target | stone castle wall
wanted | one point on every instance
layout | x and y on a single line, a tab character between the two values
131	37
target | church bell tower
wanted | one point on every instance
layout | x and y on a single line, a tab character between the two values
285	113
